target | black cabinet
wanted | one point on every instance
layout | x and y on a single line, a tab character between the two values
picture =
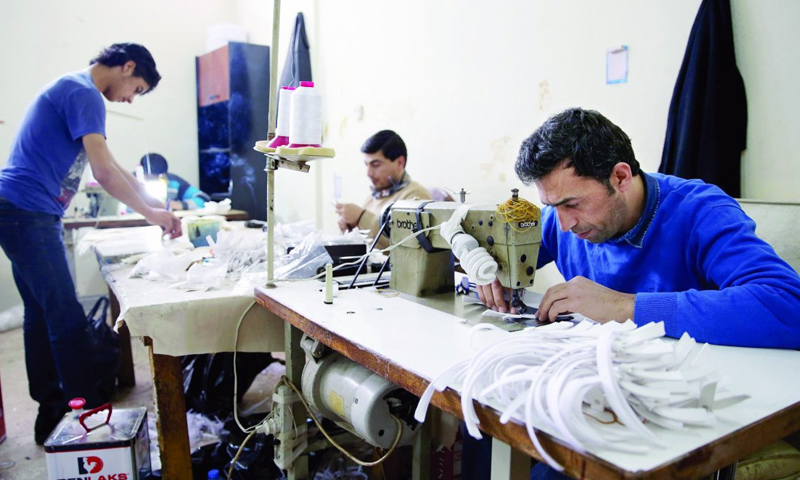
232	114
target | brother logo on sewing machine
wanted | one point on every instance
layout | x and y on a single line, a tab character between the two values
406	224
529	224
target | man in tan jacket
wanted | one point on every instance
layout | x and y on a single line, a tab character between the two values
385	158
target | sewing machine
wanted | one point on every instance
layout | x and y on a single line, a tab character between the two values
487	243
423	267
101	203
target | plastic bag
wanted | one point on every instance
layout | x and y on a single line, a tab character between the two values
104	351
305	259
254	463
163	265
204	276
241	249
208	380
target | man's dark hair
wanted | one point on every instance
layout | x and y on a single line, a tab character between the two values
584	139
388	143
154	164
120	53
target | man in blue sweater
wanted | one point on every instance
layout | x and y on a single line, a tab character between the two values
649	247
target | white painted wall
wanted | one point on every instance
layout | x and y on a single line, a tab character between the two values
40	40
463	82
766	34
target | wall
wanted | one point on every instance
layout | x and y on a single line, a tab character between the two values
766	34
40	40
461	82
464	84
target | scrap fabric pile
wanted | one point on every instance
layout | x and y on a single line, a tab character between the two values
591	385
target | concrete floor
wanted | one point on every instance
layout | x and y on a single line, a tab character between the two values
22	459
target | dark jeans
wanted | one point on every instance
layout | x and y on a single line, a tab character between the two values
56	342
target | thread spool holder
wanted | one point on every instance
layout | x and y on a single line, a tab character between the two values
273	163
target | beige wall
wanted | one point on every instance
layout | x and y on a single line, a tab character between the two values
461	81
40	40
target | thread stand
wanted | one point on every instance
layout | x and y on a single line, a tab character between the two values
273	163
298	163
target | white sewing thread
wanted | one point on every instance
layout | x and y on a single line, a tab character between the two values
305	126
284	112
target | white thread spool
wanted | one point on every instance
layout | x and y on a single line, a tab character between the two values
305	125
284	111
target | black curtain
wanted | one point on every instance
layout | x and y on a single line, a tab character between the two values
707	125
297	66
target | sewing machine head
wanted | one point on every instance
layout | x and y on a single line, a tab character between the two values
422	266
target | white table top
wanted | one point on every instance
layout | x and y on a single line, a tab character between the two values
425	342
183	322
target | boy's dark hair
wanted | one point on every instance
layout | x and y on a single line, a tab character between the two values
585	139
388	143
120	53
154	164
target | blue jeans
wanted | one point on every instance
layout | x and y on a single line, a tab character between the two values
541	471
54	329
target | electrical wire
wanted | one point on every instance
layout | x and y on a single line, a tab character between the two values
253	429
286	381
358	260
236	380
239	452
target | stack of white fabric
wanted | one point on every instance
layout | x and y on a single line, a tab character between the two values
593	385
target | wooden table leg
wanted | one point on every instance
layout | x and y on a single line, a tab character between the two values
126	376
173	432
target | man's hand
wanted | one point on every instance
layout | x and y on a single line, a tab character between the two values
175	205
166	220
492	296
343	226
349	214
587	298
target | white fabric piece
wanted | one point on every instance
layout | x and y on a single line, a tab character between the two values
563	378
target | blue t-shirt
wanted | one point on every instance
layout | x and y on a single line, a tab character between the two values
694	262
47	157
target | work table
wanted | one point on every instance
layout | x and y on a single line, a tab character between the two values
411	344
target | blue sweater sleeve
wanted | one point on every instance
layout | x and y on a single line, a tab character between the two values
194	195
191	197
757	299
